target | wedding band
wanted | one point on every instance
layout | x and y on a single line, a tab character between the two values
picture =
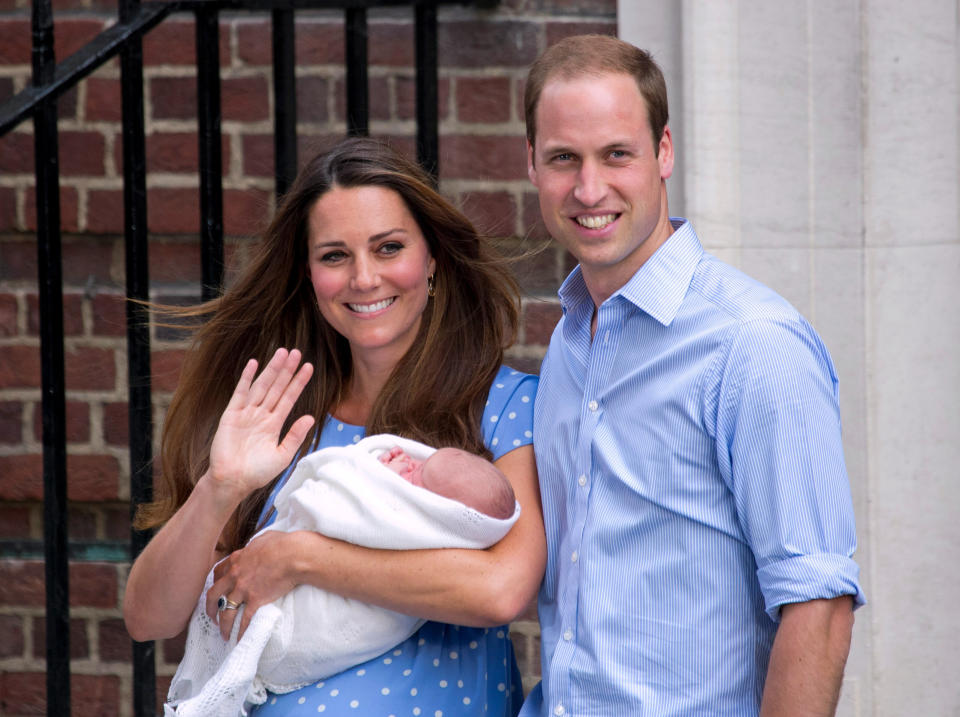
225	603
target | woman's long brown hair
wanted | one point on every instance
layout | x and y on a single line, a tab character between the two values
437	391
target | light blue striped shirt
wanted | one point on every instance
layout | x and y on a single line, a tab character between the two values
693	481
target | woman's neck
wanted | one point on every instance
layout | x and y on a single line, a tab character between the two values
366	382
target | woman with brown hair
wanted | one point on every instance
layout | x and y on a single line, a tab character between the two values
403	314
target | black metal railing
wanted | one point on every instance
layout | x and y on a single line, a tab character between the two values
38	101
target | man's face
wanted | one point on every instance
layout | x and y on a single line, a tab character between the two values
599	176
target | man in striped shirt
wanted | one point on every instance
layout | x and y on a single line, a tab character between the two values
698	513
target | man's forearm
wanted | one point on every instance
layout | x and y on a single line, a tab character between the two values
808	657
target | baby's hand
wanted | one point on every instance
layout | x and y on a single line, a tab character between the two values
387	457
408	468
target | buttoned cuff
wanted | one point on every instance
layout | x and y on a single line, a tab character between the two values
809	577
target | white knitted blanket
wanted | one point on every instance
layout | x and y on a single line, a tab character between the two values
309	634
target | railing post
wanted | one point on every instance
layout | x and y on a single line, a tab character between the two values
358	91
284	100
138	328
53	402
428	142
211	160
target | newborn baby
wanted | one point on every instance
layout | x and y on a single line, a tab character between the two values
384	492
444	473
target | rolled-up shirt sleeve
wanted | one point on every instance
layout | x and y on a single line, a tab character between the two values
780	447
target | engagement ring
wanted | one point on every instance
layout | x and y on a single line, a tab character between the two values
225	603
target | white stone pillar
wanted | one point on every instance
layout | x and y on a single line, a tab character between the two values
820	154
912	287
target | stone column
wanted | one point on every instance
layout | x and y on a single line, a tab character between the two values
818	151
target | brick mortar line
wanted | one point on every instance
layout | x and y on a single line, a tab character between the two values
116	395
237	127
81	101
232	42
513	128
31	447
509	128
96	614
83	205
236	153
86	666
155	180
526	352
79	182
327	70
22	396
125	696
544	299
227	72
28	341
529	300
381	16
240	127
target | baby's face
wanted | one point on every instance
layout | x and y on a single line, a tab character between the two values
454	473
407	467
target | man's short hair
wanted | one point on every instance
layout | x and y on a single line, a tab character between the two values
597	55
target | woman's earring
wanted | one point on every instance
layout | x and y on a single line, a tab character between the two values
431	289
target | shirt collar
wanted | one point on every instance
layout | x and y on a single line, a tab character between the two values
658	287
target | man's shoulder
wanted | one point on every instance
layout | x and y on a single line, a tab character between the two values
761	332
738	296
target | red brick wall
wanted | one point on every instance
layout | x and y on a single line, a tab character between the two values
483	57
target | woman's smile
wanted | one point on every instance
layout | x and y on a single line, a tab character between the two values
371	308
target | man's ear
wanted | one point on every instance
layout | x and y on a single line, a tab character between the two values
531	167
665	154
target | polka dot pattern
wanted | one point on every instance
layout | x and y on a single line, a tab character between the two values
508	417
442	669
456	687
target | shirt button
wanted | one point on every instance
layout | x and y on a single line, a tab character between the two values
558	710
582	480
568	636
593	405
574	556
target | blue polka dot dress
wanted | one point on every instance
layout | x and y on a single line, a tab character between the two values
441	669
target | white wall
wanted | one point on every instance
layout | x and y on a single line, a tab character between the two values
818	150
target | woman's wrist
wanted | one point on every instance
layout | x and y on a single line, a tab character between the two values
304	557
224	494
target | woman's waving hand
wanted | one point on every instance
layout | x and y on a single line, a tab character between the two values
247	452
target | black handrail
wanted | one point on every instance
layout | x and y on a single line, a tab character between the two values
358	97
139	414
68	73
284	100
211	148
53	401
428	96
